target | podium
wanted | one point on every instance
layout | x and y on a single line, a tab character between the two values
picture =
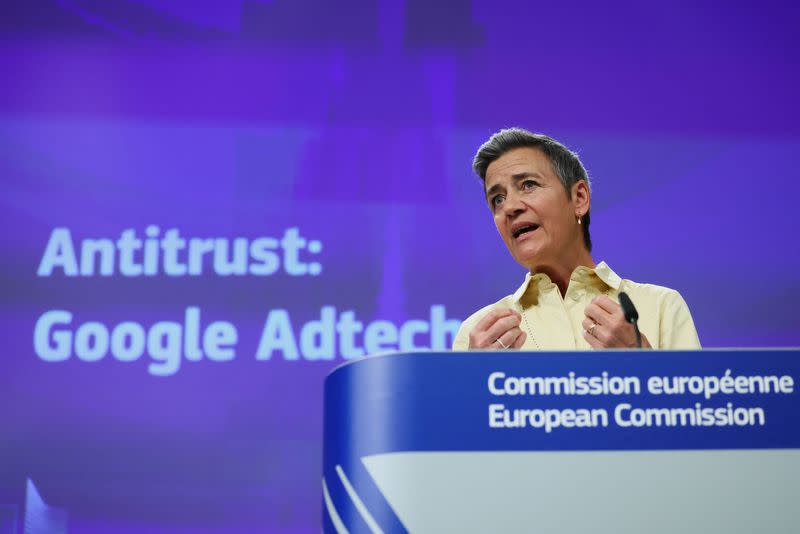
601	441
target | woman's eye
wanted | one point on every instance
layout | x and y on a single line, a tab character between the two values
497	200
529	184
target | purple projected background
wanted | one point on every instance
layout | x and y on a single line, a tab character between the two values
354	124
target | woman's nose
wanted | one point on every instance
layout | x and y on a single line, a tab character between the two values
513	204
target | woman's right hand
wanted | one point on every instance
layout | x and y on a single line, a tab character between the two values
498	329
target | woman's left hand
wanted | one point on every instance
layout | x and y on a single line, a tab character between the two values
605	326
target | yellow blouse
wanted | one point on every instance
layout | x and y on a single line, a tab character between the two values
554	323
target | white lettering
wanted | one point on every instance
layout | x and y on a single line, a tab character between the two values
59	252
60	348
277	335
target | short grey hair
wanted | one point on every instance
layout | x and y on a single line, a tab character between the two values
566	163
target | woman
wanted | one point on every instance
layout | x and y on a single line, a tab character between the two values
539	194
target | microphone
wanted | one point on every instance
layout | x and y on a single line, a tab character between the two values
631	315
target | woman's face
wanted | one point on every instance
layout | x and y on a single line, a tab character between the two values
532	212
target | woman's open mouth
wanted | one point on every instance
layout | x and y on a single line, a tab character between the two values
524	229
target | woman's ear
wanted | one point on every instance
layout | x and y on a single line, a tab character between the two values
581	198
